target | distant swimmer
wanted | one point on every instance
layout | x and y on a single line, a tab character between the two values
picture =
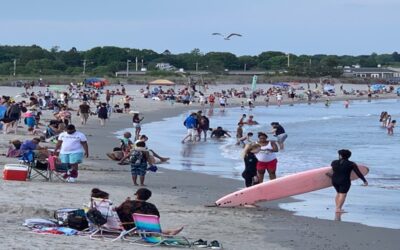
279	132
241	121
390	127
346	103
342	170
239	131
245	140
251	121
219	133
383	118
327	103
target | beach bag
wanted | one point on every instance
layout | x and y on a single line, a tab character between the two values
71	217
95	217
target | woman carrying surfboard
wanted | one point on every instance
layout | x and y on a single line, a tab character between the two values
342	169
266	157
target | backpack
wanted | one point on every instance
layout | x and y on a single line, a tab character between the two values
138	157
95	217
71	217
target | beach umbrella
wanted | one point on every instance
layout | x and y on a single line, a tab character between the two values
377	87
329	88
254	83
96	82
162	82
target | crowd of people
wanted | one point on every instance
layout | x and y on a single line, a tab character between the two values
71	146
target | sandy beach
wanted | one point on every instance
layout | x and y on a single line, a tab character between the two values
180	196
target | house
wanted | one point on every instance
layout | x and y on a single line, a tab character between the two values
383	73
165	67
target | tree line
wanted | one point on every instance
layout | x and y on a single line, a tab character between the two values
105	61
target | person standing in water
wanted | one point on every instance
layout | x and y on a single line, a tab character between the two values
346	104
390	127
342	169
266	157
250	162
136	124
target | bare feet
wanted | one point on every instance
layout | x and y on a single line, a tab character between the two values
164	159
173	231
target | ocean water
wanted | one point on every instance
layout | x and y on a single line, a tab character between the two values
315	134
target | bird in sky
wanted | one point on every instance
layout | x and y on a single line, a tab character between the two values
226	37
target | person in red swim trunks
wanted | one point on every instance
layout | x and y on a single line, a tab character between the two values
266	157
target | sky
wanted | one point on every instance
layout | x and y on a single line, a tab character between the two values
342	27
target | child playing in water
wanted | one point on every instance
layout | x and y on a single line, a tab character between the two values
346	104
390	127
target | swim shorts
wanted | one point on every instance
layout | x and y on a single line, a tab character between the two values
270	165
281	138
138	169
342	188
73	158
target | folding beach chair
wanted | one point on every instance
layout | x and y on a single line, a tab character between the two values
56	171
36	168
149	229
113	229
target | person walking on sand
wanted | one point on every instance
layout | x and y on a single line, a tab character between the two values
266	157
102	113
72	147
390	127
250	162
342	169
136	120
83	112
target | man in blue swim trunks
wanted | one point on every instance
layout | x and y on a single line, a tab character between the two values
73	147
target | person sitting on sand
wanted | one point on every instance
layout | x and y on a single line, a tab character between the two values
141	206
219	133
153	155
123	150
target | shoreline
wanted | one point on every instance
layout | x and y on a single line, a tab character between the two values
180	197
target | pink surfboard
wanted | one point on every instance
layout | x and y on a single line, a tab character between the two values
283	187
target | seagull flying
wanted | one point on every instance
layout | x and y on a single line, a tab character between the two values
226	37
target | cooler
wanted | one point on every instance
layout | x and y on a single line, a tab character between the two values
15	172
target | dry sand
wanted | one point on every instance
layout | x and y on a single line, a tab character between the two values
180	197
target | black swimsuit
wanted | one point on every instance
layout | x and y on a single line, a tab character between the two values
341	175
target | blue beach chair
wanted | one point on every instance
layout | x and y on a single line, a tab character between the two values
149	230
